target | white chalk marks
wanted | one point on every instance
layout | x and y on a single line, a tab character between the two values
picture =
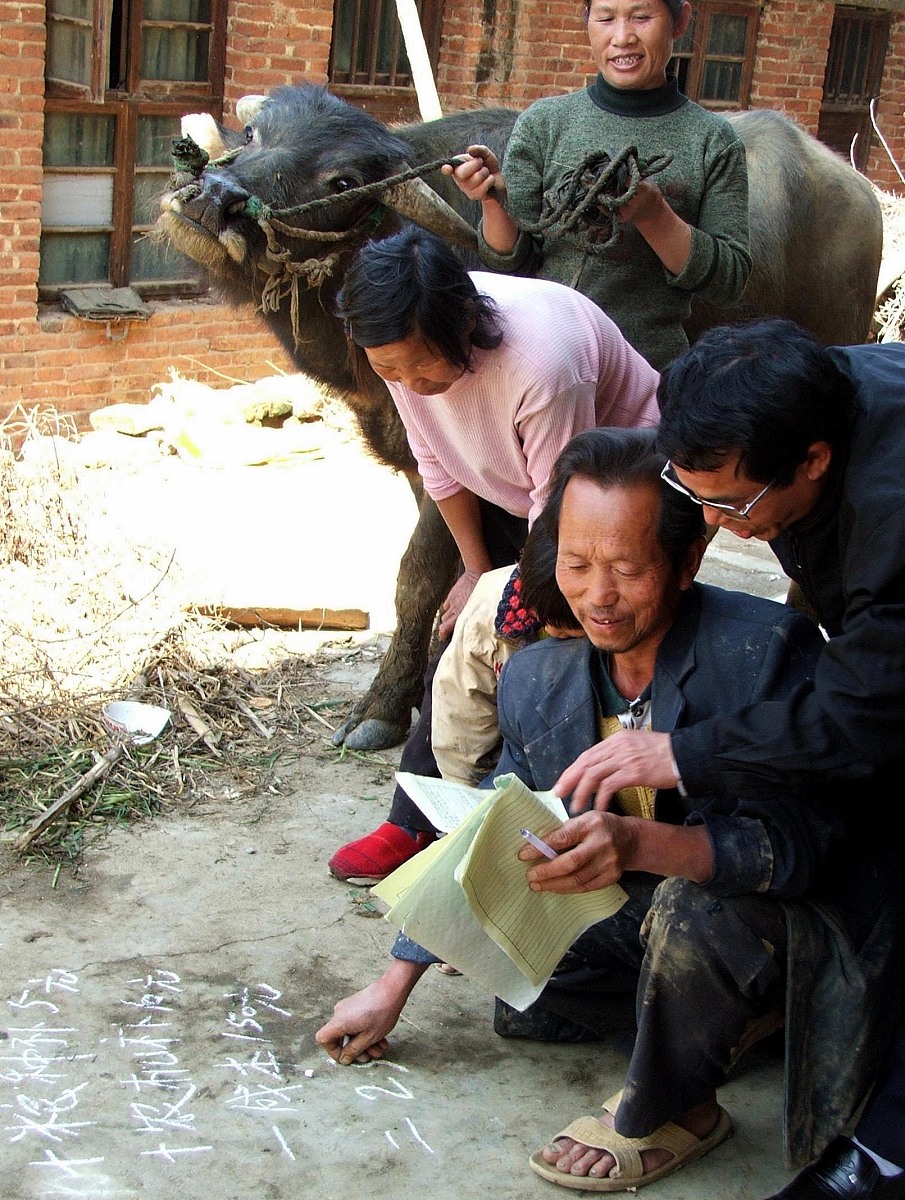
162	1081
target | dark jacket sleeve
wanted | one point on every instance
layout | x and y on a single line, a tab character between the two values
774	843
774	839
777	846
844	724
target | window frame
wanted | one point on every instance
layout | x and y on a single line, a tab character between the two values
393	81
698	58
93	91
126	104
878	21
845	117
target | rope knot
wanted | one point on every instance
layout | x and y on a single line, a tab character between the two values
257	209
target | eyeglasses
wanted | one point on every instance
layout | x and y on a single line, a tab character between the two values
737	514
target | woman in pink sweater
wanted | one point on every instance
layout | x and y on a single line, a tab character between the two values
492	375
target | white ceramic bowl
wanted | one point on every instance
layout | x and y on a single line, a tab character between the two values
140	723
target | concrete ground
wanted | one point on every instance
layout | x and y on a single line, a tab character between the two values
157	1011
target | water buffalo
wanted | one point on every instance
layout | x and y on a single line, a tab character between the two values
816	238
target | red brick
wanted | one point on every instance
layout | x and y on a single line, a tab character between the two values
72	363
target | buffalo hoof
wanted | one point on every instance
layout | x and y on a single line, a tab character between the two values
370	734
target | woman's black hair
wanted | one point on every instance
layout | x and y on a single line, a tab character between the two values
537	570
414	281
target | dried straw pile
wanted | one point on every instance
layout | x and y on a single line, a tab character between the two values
89	619
890	317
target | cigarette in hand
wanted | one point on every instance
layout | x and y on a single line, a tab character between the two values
538	843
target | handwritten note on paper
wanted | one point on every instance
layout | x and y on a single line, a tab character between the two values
533	928
466	900
445	803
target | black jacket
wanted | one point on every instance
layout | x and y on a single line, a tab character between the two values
849	558
726	650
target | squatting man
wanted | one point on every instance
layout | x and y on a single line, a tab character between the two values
752	884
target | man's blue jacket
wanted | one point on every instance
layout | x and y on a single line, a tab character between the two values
726	650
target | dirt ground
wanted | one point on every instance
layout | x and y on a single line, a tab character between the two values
159	1000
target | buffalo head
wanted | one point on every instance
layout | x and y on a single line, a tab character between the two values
238	216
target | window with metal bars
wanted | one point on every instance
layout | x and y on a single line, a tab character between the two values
118	77
854	73
854	65
368	48
715	57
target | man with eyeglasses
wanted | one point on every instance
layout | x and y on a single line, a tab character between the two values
732	511
738	909
784	440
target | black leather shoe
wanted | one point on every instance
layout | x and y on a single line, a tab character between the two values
843	1172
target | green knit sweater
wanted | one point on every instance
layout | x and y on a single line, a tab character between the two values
706	184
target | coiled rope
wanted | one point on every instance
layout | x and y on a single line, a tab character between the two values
586	203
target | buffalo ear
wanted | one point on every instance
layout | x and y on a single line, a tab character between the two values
421	204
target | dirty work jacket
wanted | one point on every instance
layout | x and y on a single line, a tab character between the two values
725	650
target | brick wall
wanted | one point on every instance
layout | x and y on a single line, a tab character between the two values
522	50
50	358
21	120
890	114
73	365
793	40
272	43
493	52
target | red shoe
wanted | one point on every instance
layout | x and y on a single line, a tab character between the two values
377	855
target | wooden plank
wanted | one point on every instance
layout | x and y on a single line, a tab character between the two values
287	618
419	60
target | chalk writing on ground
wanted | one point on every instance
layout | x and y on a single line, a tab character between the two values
172	1106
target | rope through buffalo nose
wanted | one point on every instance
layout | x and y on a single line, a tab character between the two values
258	210
586	201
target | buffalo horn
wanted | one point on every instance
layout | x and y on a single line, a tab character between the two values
248	107
420	203
202	129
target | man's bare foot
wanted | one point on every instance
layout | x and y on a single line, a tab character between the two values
574	1158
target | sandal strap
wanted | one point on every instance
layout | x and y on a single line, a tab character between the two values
627	1151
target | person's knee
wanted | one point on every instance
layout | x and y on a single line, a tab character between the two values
679	903
690	932
686	924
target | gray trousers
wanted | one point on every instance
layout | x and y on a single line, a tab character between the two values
697	967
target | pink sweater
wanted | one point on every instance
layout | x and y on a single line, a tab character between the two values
563	367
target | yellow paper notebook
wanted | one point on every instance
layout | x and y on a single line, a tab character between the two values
466	900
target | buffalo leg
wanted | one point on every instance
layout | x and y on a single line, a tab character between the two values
426	572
